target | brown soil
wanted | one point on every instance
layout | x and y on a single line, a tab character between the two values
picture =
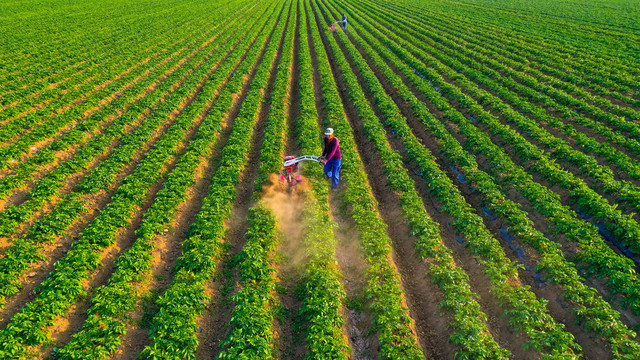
215	325
422	297
287	204
353	266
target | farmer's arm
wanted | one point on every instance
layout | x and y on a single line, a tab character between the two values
326	147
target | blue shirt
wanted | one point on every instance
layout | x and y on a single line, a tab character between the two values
344	18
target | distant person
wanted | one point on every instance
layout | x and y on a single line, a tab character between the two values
344	21
331	157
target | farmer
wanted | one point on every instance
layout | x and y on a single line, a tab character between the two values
331	157
344	21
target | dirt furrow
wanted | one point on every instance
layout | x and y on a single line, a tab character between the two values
214	324
287	324
358	319
422	297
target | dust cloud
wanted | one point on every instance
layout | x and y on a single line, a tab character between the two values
287	204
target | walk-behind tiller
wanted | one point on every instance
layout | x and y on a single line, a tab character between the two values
289	173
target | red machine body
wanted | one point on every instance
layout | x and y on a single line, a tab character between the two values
289	173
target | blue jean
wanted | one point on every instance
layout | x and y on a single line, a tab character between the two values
332	170
344	25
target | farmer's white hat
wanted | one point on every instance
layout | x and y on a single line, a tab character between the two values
329	131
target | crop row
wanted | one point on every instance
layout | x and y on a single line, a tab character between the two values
103	176
622	226
25	251
173	331
526	312
591	309
251	335
64	285
603	261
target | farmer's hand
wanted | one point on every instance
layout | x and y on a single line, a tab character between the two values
323	162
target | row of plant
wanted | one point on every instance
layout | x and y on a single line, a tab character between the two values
572	45
609	73
470	332
26	250
593	311
100	123
602	260
566	76
129	143
173	331
535	96
526	312
623	227
75	102
320	285
97	131
84	256
251	335
275	132
40	89
61	73
112	303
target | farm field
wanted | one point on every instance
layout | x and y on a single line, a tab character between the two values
487	207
